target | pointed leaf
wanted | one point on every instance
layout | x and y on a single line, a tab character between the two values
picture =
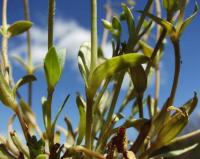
22	81
18	28
190	105
82	121
59	112
189	20
111	67
165	24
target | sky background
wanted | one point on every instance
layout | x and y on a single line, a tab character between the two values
72	28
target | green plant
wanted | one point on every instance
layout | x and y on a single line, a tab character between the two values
97	135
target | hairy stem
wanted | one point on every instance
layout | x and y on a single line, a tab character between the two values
5	60
93	34
51	22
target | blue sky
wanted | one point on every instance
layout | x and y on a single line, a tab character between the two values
72	26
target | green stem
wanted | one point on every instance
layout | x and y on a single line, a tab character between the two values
29	53
176	46
5	60
51	22
50	134
93	34
89	123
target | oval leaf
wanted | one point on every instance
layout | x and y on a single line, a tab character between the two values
19	27
111	67
53	65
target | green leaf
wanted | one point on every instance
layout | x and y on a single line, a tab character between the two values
188	20
42	156
59	112
165	24
84	57
173	153
106	24
82	121
171	128
18	28
111	67
53	65
22	81
130	23
190	105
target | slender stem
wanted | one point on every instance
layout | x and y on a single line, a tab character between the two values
48	129
93	34
176	46
29	53
5	60
51	22
156	49
146	9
